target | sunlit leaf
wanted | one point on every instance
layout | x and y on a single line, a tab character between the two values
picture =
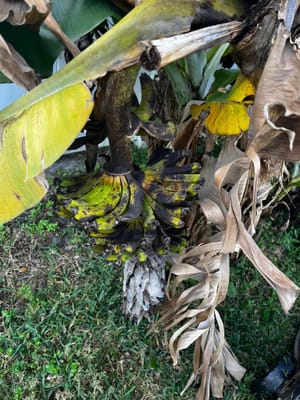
26	149
117	49
228	113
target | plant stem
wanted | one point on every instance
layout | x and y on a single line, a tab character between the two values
118	97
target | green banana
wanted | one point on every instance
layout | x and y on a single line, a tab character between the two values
184	178
186	187
124	238
149	219
178	212
133	213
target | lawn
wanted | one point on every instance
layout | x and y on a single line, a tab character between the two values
63	335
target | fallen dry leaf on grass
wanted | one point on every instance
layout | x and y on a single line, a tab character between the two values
192	310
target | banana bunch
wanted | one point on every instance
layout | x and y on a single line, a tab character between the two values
104	199
129	214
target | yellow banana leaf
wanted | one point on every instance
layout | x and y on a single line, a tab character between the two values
228	113
34	140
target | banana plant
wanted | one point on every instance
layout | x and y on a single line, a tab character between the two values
129	207
130	42
118	48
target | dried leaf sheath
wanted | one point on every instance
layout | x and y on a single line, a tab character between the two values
194	313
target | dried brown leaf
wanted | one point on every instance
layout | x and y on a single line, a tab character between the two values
13	65
286	290
193	310
275	123
51	23
232	366
28	12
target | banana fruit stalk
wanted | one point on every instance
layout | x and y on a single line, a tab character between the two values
129	215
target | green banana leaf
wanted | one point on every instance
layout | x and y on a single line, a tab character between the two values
37	128
180	83
40	49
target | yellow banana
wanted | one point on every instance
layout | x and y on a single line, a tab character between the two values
104	198
101	191
110	220
82	185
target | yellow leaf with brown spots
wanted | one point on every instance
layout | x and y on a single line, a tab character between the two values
32	141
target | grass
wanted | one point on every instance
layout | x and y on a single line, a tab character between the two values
255	325
63	336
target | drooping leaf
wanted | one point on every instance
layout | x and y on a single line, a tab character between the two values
13	65
275	123
192	310
116	49
228	113
26	149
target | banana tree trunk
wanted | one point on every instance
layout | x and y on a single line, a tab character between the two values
118	97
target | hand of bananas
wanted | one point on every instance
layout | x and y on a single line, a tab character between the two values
130	212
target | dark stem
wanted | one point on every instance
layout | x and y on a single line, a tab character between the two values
118	95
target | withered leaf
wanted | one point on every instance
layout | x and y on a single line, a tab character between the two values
25	12
275	122
13	65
